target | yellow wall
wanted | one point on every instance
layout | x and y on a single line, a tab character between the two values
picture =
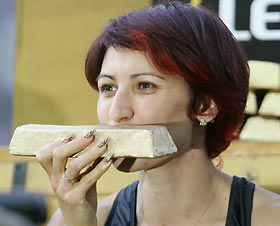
53	37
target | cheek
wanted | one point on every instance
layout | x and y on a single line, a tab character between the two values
102	108
149	110
158	110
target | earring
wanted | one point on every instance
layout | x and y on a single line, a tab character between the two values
202	122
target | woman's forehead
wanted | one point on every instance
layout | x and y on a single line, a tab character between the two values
121	59
124	59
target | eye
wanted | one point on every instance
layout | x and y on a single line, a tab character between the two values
107	89
146	85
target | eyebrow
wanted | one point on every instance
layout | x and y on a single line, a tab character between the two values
131	76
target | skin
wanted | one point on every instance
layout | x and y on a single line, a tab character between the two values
133	91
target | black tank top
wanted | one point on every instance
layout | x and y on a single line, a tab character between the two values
123	212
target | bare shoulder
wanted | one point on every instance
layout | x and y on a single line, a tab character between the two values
104	207
266	208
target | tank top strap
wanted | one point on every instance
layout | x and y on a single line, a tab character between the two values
240	202
123	211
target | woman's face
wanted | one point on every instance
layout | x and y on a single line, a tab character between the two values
133	91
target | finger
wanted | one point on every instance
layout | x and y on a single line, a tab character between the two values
45	155
86	160
88	180
63	152
91	167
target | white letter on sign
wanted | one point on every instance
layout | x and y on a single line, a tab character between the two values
227	14
260	17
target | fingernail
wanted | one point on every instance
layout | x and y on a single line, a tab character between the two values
102	143
88	134
108	157
67	139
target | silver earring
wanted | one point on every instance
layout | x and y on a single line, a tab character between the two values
202	122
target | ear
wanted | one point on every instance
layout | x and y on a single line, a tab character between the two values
207	112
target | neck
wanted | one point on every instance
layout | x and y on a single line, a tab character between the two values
186	182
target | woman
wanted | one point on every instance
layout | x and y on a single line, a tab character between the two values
163	64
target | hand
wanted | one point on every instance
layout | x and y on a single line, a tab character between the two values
74	182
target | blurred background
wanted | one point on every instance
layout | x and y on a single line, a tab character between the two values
43	47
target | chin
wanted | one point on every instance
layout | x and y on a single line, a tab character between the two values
126	164
139	164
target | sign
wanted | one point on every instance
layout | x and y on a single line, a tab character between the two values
254	23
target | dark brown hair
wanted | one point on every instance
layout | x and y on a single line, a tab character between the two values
194	43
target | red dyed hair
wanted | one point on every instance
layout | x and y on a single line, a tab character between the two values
191	42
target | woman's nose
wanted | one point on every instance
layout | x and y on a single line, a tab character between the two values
121	109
